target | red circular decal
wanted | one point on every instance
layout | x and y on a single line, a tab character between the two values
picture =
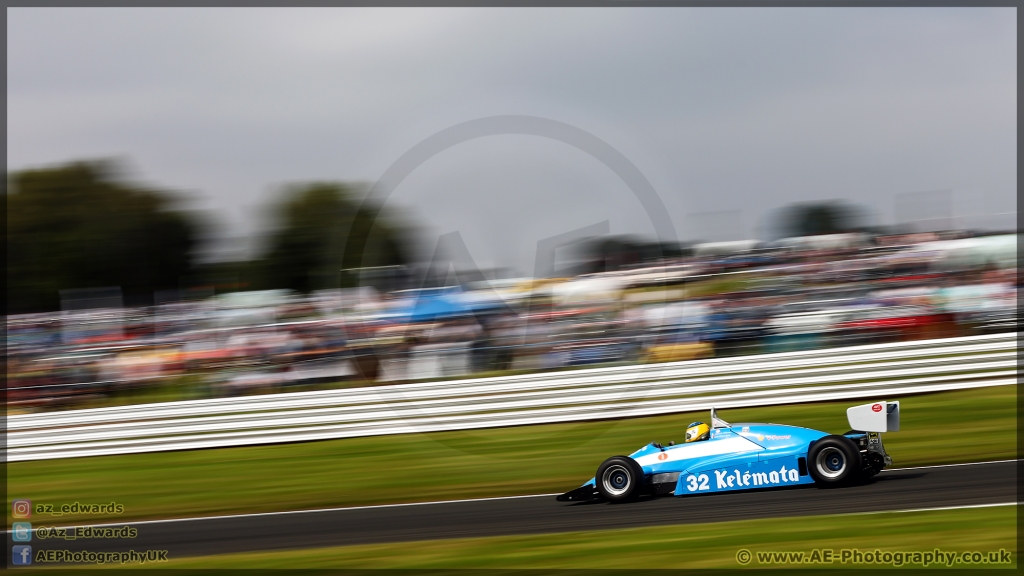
662	456
877	407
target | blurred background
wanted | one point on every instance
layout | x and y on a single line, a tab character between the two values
189	211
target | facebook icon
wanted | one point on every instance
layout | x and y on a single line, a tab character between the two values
22	555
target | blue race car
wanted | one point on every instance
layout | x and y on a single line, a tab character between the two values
727	457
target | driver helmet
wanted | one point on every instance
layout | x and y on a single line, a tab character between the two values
697	431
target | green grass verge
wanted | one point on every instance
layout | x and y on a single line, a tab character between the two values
714	545
947	427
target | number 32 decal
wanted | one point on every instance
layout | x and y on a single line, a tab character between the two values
695	483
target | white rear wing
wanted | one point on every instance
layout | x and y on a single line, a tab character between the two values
875	417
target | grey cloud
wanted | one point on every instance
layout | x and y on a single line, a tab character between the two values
722	109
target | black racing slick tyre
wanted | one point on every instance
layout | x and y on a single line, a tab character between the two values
619	478
833	461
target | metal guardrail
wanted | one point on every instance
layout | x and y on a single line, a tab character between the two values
601	393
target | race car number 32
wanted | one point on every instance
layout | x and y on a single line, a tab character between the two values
694	483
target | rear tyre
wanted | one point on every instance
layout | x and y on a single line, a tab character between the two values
834	460
619	478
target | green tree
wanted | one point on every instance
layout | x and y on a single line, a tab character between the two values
321	230
79	226
831	217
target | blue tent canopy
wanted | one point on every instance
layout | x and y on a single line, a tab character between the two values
440	307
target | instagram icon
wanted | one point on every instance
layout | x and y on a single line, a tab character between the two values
21	508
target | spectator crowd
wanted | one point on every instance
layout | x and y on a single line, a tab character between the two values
805	294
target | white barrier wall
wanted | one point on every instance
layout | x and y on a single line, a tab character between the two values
877	371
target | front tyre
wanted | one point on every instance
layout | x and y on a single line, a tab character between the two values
619	478
834	460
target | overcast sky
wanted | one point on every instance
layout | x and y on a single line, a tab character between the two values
728	113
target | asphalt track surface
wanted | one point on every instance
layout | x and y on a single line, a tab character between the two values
912	488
